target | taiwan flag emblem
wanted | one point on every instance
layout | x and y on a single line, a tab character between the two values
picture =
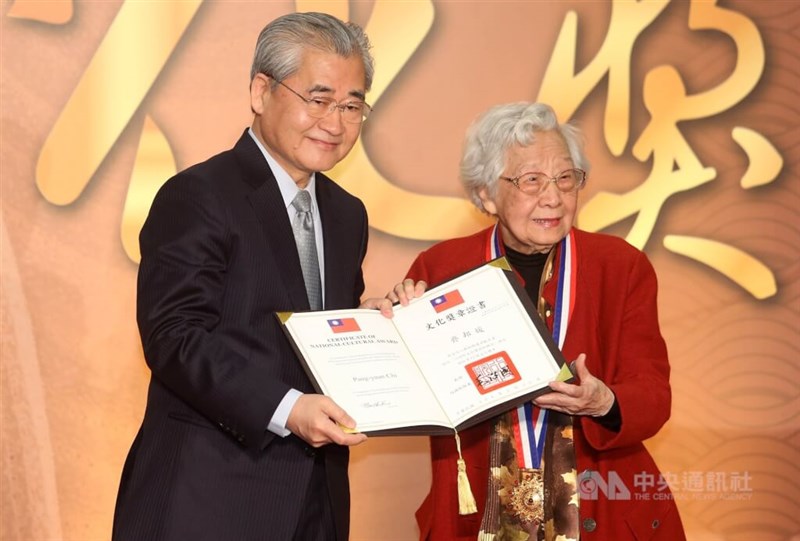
447	301
345	324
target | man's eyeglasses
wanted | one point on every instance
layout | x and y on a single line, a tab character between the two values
353	112
567	181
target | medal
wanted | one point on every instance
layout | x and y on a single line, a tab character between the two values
527	497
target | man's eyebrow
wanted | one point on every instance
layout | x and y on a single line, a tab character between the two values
358	94
322	89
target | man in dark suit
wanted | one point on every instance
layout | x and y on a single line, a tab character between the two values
234	445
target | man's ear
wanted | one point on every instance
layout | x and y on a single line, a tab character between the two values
260	92
488	202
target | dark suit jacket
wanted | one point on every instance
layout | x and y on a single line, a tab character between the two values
218	259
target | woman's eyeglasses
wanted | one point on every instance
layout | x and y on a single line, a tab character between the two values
533	183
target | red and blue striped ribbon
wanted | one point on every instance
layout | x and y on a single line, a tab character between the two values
530	422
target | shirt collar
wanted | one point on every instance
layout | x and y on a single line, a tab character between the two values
286	183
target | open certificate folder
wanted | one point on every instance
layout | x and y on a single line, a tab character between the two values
464	352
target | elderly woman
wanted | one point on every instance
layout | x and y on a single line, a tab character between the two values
572	463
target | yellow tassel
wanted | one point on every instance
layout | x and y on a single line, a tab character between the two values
483	536
466	501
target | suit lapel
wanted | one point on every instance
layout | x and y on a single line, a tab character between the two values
335	234
330	238
268	206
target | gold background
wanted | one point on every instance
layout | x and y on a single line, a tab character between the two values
102	100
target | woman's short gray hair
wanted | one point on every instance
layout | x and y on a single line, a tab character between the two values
498	129
281	43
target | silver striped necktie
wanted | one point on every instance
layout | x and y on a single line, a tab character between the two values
303	226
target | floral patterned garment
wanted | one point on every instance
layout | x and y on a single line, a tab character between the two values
531	505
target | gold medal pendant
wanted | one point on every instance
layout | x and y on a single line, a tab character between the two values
527	497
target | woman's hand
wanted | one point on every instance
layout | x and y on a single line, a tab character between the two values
590	397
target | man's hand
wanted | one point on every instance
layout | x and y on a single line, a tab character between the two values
590	397
373	303
402	293
316	419
406	290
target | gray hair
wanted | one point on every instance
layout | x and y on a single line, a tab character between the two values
497	130
281	43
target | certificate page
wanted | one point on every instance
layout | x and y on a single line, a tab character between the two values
476	343
358	360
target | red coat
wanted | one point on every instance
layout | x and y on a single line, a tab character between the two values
615	322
